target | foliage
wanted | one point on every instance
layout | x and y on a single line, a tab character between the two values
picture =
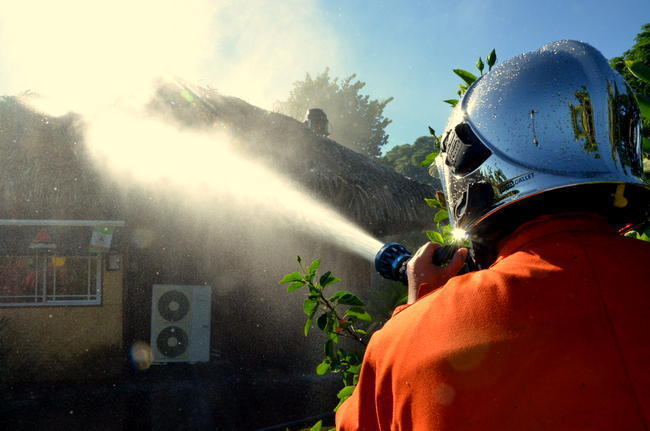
357	121
469	77
643	235
407	159
634	65
341	315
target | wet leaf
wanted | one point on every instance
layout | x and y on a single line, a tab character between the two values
309	306
433	203
638	69
429	159
440	216
329	349
644	104
346	298
466	76
295	286
328	279
431	131
359	313
308	325
294	276
322	321
452	102
345	392
479	65
313	267
435	237
322	368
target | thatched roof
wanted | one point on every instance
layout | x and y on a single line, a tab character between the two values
44	170
45	173
368	192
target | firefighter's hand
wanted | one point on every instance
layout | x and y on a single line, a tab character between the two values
420	269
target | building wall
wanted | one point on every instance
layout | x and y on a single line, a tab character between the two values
61	342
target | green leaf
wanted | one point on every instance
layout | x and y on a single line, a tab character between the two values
313	267
346	298
355	369
318	426
440	216
429	159
328	279
433	203
431	131
466	76
322	368
187	96
479	65
308	325
435	237
329	349
491	59
639	70
295	286
294	276
309	306
345	392
359	313
322	321
646	145
644	104
298	259
452	102
361	331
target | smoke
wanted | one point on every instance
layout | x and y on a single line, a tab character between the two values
84	55
103	60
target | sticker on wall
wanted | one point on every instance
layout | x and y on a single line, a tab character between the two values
43	240
101	239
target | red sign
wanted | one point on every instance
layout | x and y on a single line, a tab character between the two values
43	240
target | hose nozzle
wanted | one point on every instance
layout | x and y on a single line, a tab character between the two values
390	261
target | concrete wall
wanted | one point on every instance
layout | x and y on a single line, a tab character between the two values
61	342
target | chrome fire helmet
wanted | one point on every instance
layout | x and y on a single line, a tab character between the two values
553	130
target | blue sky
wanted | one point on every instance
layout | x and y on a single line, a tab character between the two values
407	49
256	49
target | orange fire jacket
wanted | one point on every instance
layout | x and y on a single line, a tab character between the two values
555	335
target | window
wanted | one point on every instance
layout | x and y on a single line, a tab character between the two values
45	279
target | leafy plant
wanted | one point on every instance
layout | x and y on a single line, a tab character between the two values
642	72
469	77
338	315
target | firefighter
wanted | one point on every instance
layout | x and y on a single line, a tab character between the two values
541	166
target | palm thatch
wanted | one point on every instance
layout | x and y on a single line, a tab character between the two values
376	197
45	172
44	169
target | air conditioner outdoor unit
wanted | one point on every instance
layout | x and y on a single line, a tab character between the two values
180	323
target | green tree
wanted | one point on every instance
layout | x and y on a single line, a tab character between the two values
407	159
357	122
639	53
